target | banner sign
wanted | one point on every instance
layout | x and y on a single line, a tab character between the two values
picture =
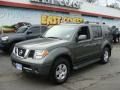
54	20
64	3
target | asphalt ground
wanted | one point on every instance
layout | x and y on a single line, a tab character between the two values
92	77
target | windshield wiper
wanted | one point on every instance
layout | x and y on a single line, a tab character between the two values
54	37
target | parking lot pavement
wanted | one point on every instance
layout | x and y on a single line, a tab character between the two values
93	77
112	83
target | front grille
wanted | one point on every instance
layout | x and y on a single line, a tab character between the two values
21	52
31	54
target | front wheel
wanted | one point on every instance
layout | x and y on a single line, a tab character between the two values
105	55
60	71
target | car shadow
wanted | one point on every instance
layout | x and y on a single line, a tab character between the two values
36	79
4	53
85	69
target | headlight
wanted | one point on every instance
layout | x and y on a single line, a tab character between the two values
14	50
40	54
4	38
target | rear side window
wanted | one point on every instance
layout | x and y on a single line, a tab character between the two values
97	31
107	31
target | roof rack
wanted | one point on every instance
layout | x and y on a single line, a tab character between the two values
70	23
88	22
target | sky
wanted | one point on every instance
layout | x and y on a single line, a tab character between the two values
103	2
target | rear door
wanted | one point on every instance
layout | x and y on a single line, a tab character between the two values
82	49
97	40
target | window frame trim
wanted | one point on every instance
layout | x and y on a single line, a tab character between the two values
87	40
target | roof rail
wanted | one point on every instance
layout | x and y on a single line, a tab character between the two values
70	23
88	22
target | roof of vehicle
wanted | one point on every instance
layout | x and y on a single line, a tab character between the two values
35	25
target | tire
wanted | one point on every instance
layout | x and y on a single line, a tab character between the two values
105	55
60	71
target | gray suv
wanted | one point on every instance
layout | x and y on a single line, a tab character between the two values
64	48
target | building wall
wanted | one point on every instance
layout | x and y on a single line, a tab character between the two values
108	21
93	8
9	15
85	7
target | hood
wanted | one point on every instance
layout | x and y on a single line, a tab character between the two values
40	43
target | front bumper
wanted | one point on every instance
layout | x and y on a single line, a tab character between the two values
1	46
42	69
4	45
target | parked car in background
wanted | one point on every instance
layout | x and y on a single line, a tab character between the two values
64	48
13	28
7	41
20	24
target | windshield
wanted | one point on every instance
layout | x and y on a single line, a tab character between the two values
22	29
61	31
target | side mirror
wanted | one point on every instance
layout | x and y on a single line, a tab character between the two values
29	32
82	37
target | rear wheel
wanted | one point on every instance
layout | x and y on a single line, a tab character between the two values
60	71
105	55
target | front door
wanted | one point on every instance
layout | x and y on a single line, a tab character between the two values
83	48
33	32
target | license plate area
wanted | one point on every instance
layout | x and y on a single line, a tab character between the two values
19	66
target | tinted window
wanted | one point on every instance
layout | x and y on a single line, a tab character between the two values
43	29
97	31
35	30
84	31
107	31
22	29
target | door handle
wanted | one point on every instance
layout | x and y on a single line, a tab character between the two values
95	44
87	45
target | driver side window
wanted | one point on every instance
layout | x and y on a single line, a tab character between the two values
84	31
34	30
